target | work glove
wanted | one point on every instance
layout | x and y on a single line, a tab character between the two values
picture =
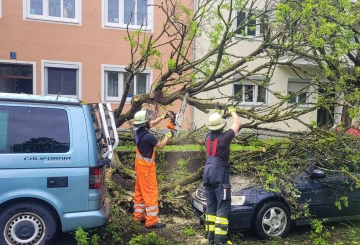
230	107
169	134
218	107
165	115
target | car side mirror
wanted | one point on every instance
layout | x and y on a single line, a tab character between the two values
317	174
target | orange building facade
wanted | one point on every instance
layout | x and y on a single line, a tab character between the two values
75	48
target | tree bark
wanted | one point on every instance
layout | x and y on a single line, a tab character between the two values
345	118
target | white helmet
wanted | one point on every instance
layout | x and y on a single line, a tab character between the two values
141	117
216	122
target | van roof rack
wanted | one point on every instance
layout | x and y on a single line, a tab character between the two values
33	98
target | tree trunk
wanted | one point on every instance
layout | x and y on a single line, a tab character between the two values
345	118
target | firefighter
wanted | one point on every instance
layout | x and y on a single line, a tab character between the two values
146	190
216	175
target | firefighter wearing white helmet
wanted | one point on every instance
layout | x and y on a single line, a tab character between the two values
216	122
216	175
146	192
141	118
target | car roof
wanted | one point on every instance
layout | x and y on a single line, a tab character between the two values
32	98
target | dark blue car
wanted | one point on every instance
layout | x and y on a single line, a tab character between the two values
268	215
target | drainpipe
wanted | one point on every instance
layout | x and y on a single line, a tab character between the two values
194	58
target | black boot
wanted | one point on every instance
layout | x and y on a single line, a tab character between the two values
157	226
210	237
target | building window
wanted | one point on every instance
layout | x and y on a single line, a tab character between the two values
62	79
250	25
16	78
0	8
67	11
129	13
298	92
250	93
114	83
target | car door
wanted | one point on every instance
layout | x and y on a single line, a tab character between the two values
353	195
321	195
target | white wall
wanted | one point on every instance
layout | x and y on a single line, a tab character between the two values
278	83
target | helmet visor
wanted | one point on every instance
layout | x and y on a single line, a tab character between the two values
150	114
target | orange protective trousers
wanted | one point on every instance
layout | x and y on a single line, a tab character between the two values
146	190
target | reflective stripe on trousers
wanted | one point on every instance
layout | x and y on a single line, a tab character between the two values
210	222
221	226
152	211
144	158
139	208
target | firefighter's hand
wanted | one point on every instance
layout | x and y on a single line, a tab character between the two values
218	107
166	115
230	107
169	134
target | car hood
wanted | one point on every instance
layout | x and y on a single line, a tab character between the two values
239	182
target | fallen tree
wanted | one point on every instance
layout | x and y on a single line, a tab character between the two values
270	162
292	34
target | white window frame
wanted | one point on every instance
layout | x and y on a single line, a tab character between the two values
305	83
46	17
257	30
0	9
61	64
120	69
255	92
121	24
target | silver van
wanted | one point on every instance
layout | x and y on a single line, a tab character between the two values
53	153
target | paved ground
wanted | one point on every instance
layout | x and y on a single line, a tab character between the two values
297	235
64	239
248	237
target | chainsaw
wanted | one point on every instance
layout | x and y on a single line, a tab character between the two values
172	120
176	119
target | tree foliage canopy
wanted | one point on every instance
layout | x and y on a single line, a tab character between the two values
195	52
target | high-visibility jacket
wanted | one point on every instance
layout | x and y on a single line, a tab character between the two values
146	190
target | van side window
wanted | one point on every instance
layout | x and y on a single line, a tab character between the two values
3	128
33	130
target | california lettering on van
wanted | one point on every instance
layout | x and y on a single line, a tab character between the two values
47	158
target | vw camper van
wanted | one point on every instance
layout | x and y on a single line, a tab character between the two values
53	155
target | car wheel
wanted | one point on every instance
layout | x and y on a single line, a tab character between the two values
272	220
27	223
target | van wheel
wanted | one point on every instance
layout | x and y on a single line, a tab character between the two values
27	223
272	220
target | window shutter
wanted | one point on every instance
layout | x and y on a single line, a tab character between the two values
69	84
54	80
62	65
114	68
